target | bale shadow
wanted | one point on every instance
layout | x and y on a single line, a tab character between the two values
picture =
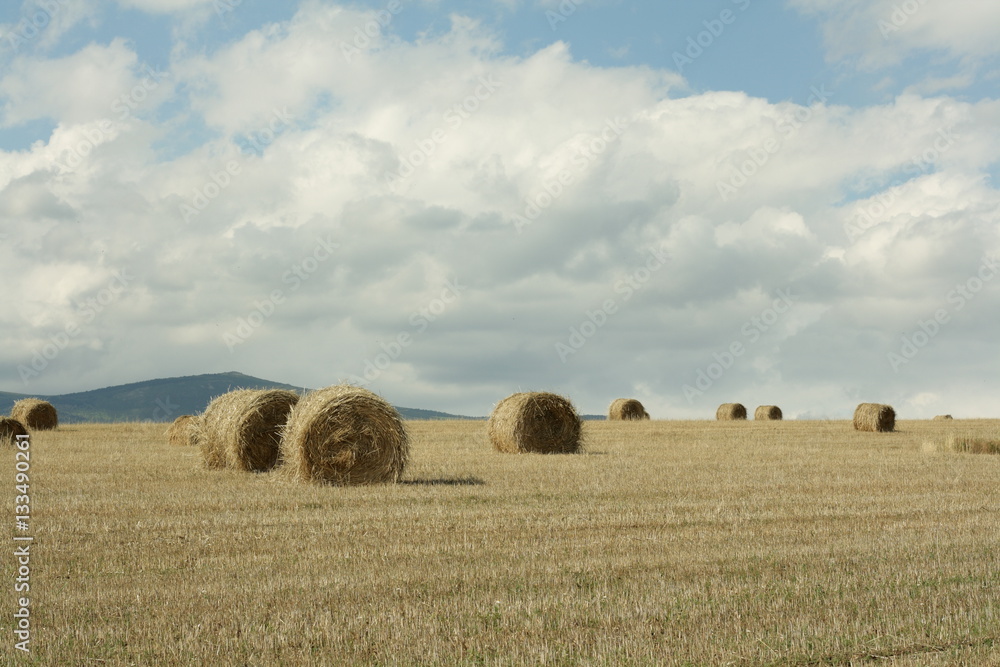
445	481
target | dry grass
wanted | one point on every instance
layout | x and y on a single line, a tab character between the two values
344	435
767	413
874	417
535	423
968	444
626	409
942	417
666	543
35	414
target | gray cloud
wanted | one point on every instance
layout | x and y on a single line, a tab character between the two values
301	264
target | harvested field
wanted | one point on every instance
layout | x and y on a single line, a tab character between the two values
663	543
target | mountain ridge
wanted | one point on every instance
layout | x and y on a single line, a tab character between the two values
165	399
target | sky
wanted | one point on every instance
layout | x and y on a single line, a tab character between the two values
789	203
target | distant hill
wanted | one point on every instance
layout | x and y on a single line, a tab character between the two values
165	399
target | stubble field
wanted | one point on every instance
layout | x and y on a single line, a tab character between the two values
665	542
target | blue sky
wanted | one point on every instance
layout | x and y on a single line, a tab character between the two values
769	50
478	198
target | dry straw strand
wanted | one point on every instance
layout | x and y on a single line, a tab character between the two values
626	409
242	429
9	430
874	417
731	412
965	444
344	435
767	413
537	422
35	414
182	431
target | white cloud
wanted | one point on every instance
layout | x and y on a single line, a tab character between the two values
171	6
40	26
615	166
883	32
74	89
767	227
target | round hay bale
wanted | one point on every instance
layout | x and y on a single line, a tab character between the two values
626	409
182	431
242	429
731	412
35	414
767	413
9	430
344	435
537	422
874	417
942	418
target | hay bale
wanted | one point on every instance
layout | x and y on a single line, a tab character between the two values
10	429
242	429
731	412
767	413
344	435
874	417
942	418
182	431
626	409
35	414
537	422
